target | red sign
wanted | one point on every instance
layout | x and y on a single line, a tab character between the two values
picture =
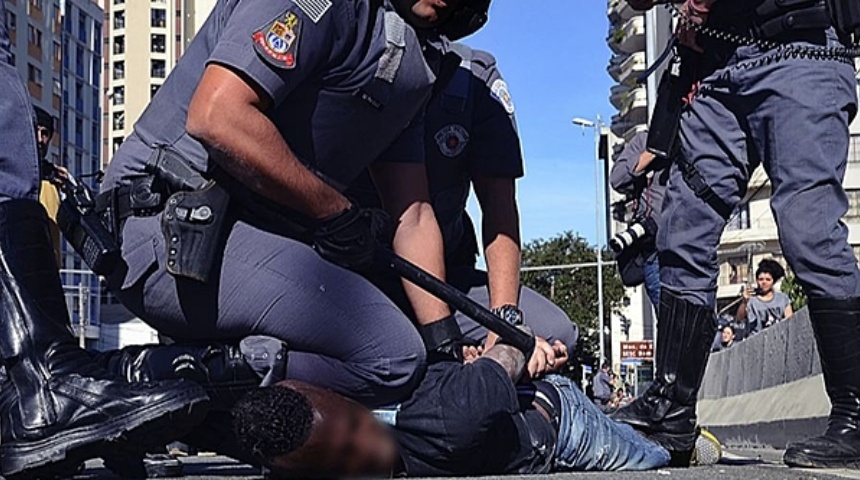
643	350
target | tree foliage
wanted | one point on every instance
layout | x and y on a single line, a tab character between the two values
574	289
792	288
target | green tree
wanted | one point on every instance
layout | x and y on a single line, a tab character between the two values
574	289
792	288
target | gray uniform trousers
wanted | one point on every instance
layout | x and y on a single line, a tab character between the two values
341	331
19	165
792	115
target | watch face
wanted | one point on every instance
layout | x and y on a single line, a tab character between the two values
510	314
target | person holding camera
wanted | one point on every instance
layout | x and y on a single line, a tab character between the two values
642	176
763	306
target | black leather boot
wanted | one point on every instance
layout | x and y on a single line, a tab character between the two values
836	324
65	409
220	368
666	412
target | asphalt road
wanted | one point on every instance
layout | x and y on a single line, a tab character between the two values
753	464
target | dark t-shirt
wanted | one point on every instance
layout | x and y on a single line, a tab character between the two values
468	420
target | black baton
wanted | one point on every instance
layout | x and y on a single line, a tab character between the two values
510	334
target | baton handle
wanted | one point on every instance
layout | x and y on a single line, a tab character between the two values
512	335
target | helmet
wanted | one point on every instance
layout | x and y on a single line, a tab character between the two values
468	19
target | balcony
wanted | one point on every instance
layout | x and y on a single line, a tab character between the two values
618	95
634	101
620	11
632	66
614	67
629	37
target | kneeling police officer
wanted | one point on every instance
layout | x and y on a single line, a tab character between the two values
277	106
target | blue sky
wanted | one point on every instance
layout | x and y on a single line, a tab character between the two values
553	55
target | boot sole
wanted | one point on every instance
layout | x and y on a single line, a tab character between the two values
802	460
61	453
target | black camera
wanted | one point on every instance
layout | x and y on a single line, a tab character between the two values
635	233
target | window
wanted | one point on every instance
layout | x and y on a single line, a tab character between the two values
119	121
158	43
119	2
37	4
854	149
79	96
119	45
97	38
11	21
34	36
153	89
118	95
740	219
82	28
158	69
58	52
119	19
118	70
117	142
79	133
34	74
158	18
79	61
853	214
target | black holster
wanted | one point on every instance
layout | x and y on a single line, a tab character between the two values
675	84
196	225
845	15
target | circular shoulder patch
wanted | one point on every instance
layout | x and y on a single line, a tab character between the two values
499	89
452	140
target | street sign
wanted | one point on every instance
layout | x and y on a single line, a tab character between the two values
642	350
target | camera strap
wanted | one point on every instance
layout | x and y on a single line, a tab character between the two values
701	189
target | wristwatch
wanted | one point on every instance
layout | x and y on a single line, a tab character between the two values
510	314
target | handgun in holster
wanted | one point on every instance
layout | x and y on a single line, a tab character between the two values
845	15
675	84
197	217
83	227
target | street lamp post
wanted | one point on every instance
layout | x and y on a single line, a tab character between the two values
598	185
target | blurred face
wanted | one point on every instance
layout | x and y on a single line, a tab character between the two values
43	139
346	440
728	335
765	282
426	13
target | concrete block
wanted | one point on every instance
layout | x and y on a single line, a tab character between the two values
752	355
713	373
735	381
775	351
801	353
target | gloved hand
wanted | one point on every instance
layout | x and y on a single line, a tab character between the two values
444	340
350	238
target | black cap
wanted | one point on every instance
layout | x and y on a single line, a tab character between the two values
44	119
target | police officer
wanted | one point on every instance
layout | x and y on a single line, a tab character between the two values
64	408
471	140
787	107
285	103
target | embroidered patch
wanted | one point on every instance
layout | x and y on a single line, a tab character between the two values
314	9
499	90
278	41
452	140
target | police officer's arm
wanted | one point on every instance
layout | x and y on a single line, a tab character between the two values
405	196
629	166
253	151
500	224
265	50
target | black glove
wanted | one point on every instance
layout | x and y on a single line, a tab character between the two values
444	340
350	238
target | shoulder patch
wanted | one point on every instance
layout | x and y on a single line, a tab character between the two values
452	140
314	9
499	89
278	41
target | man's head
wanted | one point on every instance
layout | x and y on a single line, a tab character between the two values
44	131
296	429
605	366
768	272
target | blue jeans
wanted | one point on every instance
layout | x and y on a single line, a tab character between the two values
652	279
19	160
588	440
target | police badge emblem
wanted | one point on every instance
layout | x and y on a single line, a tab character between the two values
278	41
452	140
499	89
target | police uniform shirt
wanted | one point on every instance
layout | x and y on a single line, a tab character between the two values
346	80
468	420
470	131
